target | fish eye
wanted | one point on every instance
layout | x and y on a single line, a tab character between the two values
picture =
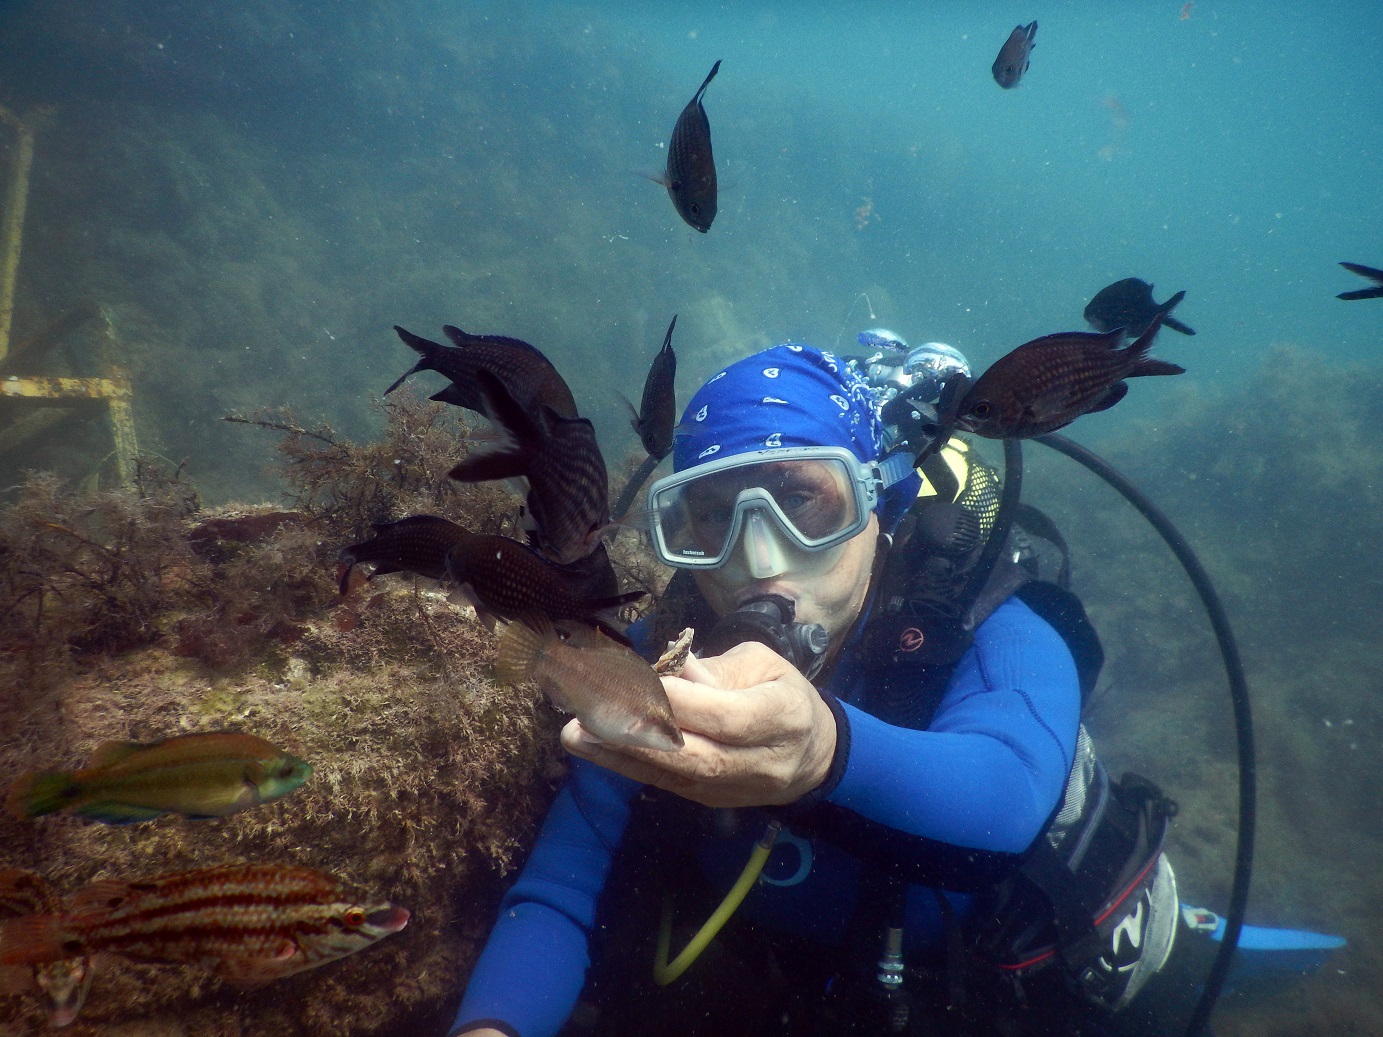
982	409
354	917
288	770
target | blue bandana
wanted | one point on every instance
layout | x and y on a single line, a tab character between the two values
787	396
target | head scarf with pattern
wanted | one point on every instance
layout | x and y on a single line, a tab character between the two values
788	396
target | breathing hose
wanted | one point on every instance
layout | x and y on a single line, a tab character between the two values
664	971
1243	716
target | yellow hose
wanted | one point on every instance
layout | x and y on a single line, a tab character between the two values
665	972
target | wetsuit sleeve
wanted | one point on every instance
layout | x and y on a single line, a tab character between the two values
534	964
990	769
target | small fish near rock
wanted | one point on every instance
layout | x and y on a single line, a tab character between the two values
1013	57
616	695
198	776
690	177
1047	383
246	923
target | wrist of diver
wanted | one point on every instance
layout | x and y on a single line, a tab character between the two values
835	770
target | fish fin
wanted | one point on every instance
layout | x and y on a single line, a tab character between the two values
101	895
32	940
39	793
614	601
109	753
657	178
1364	271
667	338
696	99
404	377
1363	293
487	465
109	812
463	339
634	419
1152	366
452	394
1113	395
520	647
345	570
1176	325
253	972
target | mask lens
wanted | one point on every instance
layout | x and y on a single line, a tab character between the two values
816	502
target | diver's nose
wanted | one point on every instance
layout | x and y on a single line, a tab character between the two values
763	553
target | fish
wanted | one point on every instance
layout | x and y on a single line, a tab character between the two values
690	176
1364	293
247	923
198	776
615	694
1129	304
1012	61
1047	383
657	413
63	984
416	544
512	581
569	492
524	371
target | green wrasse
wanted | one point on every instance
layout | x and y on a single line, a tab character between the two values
247	923
204	775
63	983
615	694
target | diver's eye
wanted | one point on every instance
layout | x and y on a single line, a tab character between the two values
354	917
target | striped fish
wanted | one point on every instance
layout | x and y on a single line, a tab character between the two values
247	923
64	983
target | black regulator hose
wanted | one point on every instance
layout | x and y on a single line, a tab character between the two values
1243	717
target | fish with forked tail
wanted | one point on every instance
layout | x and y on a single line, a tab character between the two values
1129	304
1373	275
1047	383
199	776
657	413
568	488
615	694
523	370
247	923
1014	56
690	177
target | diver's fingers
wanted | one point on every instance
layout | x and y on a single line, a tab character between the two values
765	714
643	765
743	666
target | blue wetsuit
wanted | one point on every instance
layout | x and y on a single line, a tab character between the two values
986	775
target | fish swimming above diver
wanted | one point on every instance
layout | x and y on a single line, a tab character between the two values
1129	304
512	581
568	487
1364	293
1014	56
523	370
64	983
615	694
1047	383
690	176
198	776
247	923
657	413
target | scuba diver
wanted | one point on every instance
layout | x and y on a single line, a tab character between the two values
887	817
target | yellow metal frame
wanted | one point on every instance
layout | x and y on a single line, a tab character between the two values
61	394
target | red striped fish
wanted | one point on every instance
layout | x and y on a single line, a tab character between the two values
247	923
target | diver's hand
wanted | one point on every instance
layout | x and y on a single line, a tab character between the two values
757	733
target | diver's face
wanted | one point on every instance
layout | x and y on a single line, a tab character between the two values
829	587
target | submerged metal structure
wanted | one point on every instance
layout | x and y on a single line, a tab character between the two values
36	406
